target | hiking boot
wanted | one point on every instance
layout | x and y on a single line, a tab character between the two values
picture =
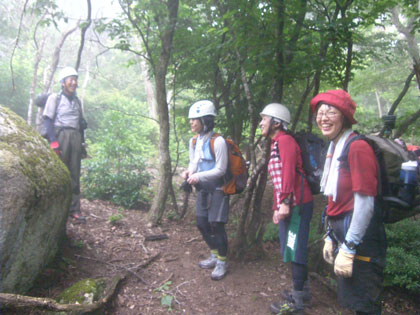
78	217
287	294
209	262
295	306
219	272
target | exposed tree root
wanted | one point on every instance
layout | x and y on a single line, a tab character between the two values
21	302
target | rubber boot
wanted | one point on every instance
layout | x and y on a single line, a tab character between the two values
287	294
209	262
308	296
296	306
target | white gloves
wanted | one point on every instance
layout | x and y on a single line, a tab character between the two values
328	251
343	265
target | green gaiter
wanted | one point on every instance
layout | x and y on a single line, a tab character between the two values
292	236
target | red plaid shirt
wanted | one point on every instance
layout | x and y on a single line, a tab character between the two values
285	159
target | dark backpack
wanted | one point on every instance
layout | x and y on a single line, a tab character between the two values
392	193
40	101
313	158
236	175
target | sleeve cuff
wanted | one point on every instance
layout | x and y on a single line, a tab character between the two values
284	195
347	250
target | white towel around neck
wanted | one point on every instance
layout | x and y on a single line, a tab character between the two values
330	176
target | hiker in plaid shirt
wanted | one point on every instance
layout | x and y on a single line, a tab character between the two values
292	203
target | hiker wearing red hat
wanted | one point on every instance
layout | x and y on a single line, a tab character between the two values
355	243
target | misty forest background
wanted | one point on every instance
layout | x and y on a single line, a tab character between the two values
141	65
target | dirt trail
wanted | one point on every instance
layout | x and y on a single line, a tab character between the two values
99	249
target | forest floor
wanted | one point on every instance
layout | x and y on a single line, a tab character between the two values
167	270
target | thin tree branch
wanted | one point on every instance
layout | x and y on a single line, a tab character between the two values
399	98
83	33
141	33
16	44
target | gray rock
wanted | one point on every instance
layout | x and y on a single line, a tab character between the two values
35	196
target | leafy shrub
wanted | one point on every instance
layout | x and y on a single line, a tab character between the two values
117	169
403	255
123	182
271	232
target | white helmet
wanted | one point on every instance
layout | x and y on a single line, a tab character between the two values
278	111
202	108
67	72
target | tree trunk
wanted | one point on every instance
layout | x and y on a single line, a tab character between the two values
245	240
83	33
349	59
323	49
165	172
407	123
378	101
309	87
409	34
148	86
38	58
278	90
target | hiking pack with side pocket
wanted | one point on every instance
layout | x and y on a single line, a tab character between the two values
41	101
313	158
398	177
236	175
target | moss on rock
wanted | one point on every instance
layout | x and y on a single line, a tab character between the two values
85	291
35	194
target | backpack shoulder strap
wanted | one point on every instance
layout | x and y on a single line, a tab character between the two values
79	103
382	181
345	153
194	141
57	102
212	139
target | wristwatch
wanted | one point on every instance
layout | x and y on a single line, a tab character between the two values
286	201
350	245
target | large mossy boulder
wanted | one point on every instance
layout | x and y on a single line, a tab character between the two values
35	196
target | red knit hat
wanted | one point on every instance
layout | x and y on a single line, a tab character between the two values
339	99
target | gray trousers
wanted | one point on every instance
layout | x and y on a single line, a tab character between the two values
70	141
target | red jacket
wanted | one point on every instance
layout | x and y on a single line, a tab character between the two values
285	169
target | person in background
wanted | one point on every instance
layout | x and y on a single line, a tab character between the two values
292	203
65	127
205	171
356	240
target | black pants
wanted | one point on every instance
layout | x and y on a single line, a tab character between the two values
214	234
362	291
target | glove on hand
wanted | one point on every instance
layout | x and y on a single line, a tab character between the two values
186	187
56	147
328	251
343	265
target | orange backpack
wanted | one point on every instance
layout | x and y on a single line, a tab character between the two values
236	175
